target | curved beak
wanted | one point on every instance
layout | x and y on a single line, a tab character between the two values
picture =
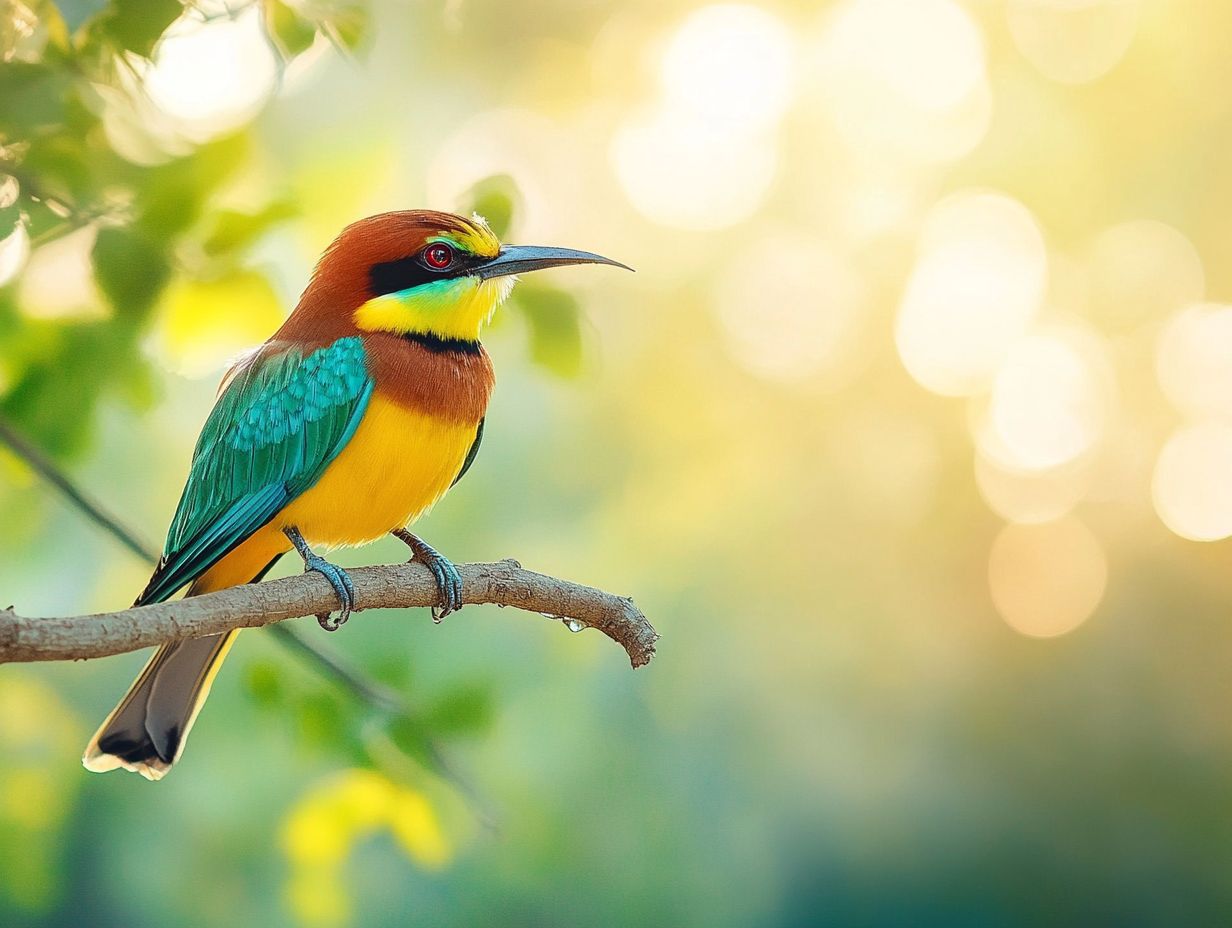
518	259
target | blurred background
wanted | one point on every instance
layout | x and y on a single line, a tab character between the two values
912	435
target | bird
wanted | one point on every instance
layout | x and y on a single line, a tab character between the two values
352	420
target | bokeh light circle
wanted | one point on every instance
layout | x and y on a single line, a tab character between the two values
1046	580
1073	41
210	76
1141	271
59	280
791	308
905	76
1031	496
1194	360
1049	401
535	151
979	278
682	173
1192	485
729	65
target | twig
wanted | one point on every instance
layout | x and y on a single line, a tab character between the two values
397	586
351	680
310	652
46	468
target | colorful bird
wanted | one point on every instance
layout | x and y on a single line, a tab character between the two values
355	417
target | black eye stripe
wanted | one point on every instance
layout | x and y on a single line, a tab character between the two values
408	272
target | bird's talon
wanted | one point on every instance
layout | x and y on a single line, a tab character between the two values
338	578
326	621
448	580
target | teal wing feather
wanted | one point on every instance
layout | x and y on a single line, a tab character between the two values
279	422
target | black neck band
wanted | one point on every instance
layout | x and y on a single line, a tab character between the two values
440	345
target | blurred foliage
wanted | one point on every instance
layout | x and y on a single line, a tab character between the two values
36	727
331	818
169	260
900	435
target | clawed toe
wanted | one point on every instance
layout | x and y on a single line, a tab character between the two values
340	580
448	580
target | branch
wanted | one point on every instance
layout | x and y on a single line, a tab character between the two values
311	652
396	586
46	468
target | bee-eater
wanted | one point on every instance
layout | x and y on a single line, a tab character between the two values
356	416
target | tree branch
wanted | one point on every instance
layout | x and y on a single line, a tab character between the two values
505	583
310	651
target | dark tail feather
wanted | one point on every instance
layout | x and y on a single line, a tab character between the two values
146	732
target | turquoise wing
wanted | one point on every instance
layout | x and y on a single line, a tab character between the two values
275	428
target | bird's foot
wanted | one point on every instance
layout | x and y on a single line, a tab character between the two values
448	580
338	578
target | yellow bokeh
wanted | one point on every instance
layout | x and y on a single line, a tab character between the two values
323	827
206	324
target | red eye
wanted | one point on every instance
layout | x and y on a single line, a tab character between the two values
438	256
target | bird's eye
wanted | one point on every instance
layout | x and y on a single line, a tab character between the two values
438	256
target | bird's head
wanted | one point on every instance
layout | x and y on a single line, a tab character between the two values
424	272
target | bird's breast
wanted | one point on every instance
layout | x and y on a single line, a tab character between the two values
400	462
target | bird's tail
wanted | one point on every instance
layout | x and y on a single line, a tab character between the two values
146	732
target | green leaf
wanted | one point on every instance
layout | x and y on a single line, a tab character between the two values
494	198
131	270
174	194
411	737
291	32
234	231
264	684
64	168
350	26
135	25
555	328
321	719
33	99
56	394
466	710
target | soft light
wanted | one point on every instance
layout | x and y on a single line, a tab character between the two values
729	65
205	324
1194	360
59	280
1046	580
1073	41
980	274
14	250
1049	402
683	173
905	75
1191	488
1031	496
1141	271
791	309
523	144
211	76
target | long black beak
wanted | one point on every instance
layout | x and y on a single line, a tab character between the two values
518	259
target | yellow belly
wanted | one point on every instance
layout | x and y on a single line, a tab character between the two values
395	467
